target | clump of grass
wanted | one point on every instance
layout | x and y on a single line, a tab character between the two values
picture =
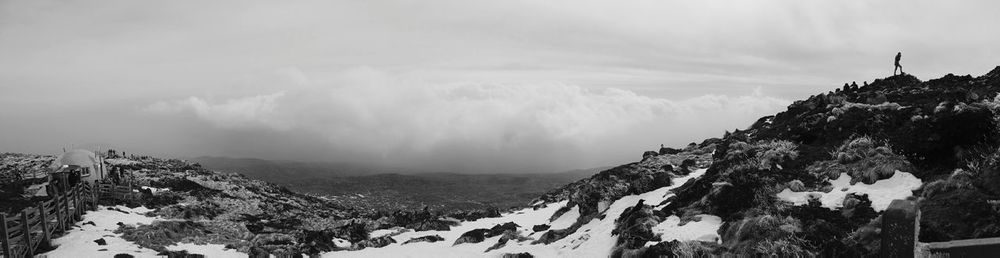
775	152
766	234
864	159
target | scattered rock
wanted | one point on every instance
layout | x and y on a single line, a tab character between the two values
472	236
541	227
518	255
648	154
124	256
375	242
101	241
429	239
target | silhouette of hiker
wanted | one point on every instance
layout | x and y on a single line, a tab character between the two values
900	67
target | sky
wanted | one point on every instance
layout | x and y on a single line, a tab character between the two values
448	85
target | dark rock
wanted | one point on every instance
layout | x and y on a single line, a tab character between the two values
375	242
124	256
101	241
518	255
648	154
90	223
429	239
498	229
472	236
687	163
542	227
480	234
668	151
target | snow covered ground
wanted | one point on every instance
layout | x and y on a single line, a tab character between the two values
79	241
593	239
881	193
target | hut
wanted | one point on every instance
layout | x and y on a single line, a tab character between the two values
75	166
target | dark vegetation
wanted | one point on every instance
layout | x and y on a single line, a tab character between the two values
944	131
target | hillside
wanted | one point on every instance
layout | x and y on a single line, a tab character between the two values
812	180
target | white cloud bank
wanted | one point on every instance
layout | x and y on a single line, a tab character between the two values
402	120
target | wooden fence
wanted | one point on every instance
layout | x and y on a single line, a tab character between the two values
34	227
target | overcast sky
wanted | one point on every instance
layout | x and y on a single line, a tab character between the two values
464	86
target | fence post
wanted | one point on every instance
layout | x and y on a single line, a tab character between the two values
93	196
900	224
26	232
76	203
61	222
45	223
67	218
4	236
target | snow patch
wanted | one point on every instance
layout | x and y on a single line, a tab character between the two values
79	241
881	193
706	229
566	219
593	239
209	250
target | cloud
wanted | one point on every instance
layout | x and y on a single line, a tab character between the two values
251	112
398	118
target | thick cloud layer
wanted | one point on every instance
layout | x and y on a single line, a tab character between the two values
520	85
375	116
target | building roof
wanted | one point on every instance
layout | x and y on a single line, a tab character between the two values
83	158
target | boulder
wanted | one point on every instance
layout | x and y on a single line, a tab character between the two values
375	242
472	236
429	239
101	241
649	154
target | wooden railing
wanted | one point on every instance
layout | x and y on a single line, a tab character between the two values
23	233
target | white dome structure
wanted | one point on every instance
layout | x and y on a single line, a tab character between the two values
86	160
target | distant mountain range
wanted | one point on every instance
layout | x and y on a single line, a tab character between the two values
383	188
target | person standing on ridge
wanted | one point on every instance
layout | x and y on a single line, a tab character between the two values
900	67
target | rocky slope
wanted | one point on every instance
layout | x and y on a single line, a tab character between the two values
811	180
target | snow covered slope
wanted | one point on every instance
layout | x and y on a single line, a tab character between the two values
593	239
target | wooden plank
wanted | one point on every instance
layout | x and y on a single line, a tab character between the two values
45	224
67	219
26	233
76	203
964	243
61	225
5	245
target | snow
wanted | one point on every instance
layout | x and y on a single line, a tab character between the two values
38	190
120	161
154	189
881	193
593	239
340	242
706	229
79	240
566	219
209	250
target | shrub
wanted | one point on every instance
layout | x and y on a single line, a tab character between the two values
772	153
764	235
